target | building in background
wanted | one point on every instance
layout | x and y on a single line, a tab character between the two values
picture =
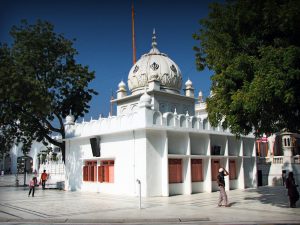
278	155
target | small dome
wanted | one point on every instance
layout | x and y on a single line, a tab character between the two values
145	100
122	85
155	66
188	83
70	119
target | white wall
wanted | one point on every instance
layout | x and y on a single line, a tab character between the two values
249	147
219	140
178	143
155	149
250	173
128	152
234	146
73	163
199	144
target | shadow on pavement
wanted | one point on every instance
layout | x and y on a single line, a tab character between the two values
275	196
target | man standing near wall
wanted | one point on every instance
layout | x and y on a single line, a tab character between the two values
221	184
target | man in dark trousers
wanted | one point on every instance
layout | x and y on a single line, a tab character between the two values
44	177
221	184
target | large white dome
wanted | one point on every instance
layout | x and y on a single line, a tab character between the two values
155	66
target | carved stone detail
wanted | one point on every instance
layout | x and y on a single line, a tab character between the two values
136	68
173	68
154	66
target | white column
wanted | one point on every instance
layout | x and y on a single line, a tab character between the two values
226	164
207	177
227	181
254	172
188	177
241	152
240	164
207	167
67	167
187	167
208	150
241	175
165	168
226	152
188	151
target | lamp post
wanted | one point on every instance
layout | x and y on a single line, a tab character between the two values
140	193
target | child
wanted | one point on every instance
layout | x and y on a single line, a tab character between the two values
32	184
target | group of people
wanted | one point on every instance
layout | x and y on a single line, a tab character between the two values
289	183
34	182
223	200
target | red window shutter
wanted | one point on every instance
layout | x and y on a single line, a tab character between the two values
92	173
95	173
175	171
179	171
111	173
85	173
106	173
196	170
100	173
89	173
172	171
232	170
215	165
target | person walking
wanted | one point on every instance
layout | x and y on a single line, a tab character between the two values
292	190
32	184
221	184
44	177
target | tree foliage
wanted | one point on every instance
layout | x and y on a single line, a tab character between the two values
40	82
253	47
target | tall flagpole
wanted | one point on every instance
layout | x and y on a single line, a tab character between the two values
133	35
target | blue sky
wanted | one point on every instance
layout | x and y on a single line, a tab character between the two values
103	36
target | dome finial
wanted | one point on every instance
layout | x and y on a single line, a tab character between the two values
70	120
154	43
154	49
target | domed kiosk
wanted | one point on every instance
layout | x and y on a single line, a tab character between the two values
155	66
162	78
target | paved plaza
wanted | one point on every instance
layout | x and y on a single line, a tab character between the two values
265	205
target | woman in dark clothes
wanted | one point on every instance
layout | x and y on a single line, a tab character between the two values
292	190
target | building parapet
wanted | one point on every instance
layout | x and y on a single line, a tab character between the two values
143	118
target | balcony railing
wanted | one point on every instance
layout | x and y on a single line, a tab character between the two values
297	159
273	160
277	160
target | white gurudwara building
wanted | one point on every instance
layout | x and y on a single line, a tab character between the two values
155	140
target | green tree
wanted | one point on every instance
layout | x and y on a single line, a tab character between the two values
253	48
40	83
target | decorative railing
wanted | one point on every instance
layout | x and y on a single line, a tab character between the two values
273	160
277	160
297	159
